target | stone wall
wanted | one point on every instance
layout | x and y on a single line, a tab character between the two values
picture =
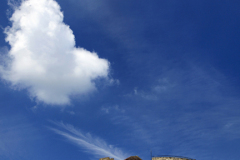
168	158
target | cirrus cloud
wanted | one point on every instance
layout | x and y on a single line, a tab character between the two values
44	58
93	145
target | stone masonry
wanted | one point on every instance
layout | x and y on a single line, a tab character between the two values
106	158
168	158
153	158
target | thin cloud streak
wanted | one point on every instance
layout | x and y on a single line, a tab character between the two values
93	145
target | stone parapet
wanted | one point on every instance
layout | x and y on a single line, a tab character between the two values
170	158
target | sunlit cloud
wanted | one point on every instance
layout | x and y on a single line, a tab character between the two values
44	58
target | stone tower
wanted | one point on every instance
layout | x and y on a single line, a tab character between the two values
133	158
106	158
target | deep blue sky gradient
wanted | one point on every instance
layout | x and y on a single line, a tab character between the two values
178	67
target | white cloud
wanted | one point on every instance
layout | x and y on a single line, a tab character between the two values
44	58
93	145
112	109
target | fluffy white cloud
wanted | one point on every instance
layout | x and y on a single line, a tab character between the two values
43	55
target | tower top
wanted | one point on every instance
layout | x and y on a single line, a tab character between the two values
133	158
106	158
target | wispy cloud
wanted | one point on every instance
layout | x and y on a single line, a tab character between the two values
44	58
112	109
93	145
17	135
182	110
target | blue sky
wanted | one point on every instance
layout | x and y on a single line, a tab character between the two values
86	79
